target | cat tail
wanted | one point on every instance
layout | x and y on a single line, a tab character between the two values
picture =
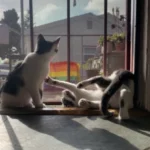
123	77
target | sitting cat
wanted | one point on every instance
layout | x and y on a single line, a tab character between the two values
23	86
116	90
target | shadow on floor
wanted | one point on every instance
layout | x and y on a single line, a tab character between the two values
13	138
140	125
68	131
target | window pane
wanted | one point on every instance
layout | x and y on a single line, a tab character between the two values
86	57
12	35
89	50
50	19
87	24
116	26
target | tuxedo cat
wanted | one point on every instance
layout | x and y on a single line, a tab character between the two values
115	91
23	86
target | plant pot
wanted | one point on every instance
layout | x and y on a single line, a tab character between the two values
92	73
120	46
109	47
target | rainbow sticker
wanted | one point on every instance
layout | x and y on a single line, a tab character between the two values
58	70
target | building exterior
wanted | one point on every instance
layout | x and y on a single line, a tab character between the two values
85	32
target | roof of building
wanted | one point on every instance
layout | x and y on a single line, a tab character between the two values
98	18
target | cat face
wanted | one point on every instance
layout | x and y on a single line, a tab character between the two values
49	48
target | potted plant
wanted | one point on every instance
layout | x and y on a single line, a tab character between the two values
109	43
119	41
90	67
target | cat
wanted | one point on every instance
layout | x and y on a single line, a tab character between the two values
23	86
115	91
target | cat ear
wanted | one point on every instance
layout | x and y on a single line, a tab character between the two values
57	41
40	37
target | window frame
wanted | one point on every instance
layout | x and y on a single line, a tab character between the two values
89	24
87	54
70	111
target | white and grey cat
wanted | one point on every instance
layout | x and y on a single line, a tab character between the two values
23	86
115	91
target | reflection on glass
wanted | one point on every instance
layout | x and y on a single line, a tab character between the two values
10	35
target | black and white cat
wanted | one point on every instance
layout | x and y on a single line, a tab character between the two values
115	91
23	86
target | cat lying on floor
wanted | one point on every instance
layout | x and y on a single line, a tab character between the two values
115	91
23	86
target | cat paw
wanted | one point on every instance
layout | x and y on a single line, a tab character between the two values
80	85
67	103
83	84
123	115
44	106
40	106
29	105
84	104
49	80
